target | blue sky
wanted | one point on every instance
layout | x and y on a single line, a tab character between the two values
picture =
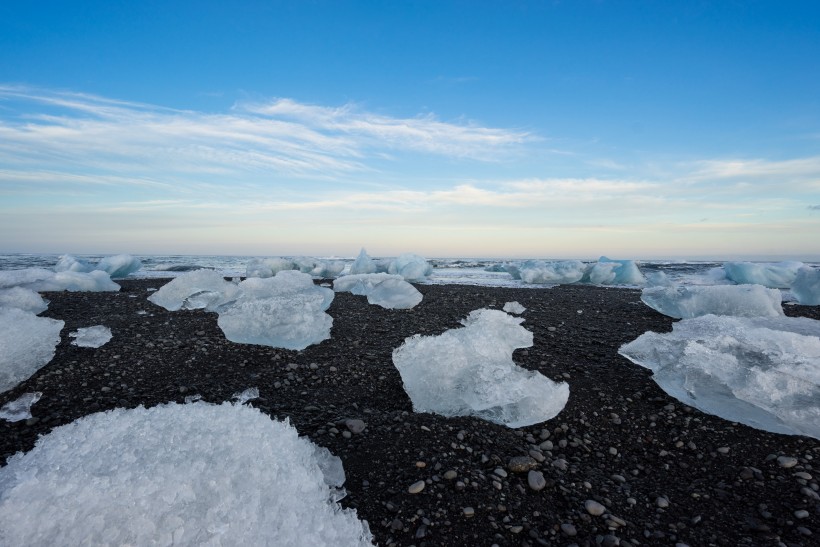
528	129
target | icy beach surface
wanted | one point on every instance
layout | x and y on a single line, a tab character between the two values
27	342
195	474
760	371
469	371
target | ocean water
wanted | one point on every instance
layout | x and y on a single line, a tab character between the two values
462	271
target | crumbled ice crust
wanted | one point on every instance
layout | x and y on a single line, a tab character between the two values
389	291
738	300
760	371
19	409
91	337
22	299
194	474
514	307
27	342
470	372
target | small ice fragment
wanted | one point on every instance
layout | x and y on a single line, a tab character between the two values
194	398
514	307
91	337
245	396
20	408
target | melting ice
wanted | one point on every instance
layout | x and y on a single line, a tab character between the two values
27	343
91	337
693	301
385	290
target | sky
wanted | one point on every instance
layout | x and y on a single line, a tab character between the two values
566	129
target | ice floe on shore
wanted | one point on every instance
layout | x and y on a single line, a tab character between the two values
760	371
193	474
27	343
385	290
91	337
469	371
692	301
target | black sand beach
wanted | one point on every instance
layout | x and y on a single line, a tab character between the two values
665	474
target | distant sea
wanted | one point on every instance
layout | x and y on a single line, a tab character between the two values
462	271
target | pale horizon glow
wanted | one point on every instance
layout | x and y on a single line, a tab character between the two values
437	154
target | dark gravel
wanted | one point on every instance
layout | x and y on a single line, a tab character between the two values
664	473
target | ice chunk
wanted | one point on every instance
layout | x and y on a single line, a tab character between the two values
27	342
693	301
285	311
385	290
119	266
363	264
193	474
760	371
247	395
96	281
20	408
333	471
200	289
68	263
328	269
22	299
268	267
24	277
806	286
614	272
91	337
470	372
514	307
539	271
774	275
411	267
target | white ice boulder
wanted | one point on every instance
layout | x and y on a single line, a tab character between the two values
692	301
96	281
778	275
285	311
539	271
22	299
385	290
19	410
470	372
411	267
363	264
268	267
193	474
199	289
119	266
27	343
91	337
806	286
760	371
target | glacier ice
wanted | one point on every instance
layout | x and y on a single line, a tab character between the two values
19	409
806	286
363	264
91	337
760	371
193	474
514	307
119	266
24	277
614	272
199	289
539	271
268	267
603	272
95	281
68	263
692	301
285	311
778	275
23	299
27	342
411	267
469	371
385	290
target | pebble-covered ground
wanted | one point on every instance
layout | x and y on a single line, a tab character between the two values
623	463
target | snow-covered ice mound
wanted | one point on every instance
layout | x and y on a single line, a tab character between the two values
806	286
363	264
738	300
91	337
470	372
27	342
385	290
778	275
195	474
284	311
22	299
200	289
760	371
411	267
